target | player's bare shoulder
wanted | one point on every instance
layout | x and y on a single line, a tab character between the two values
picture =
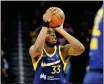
64	49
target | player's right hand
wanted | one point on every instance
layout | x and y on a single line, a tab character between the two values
48	14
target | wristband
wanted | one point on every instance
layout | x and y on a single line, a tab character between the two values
45	24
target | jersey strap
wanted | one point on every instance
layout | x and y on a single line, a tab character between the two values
62	58
36	63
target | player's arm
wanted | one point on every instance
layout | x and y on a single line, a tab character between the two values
74	47
36	48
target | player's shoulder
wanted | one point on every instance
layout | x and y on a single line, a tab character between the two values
63	47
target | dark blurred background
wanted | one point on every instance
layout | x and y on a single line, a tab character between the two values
20	19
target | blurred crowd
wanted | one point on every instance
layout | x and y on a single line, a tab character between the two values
4	62
4	67
6	48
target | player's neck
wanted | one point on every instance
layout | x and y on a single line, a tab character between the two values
48	49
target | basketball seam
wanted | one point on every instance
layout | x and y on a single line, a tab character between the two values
58	17
53	23
60	14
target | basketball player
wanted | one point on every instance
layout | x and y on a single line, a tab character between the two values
49	60
94	74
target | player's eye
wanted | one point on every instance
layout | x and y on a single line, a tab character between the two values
48	32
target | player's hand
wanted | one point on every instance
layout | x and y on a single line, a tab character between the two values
48	14
61	26
58	28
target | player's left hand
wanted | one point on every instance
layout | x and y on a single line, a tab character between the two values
58	28
48	14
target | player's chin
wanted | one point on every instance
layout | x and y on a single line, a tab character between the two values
54	42
51	43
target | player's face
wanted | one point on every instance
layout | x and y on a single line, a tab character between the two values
51	37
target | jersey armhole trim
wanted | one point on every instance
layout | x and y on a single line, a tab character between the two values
36	63
62	58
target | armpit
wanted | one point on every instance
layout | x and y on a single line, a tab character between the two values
64	50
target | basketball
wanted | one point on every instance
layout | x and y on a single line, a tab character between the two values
57	18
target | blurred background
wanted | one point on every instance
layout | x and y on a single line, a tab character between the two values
20	19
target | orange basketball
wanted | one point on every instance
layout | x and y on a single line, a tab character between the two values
57	18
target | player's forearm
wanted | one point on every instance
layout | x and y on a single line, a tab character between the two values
73	41
39	44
